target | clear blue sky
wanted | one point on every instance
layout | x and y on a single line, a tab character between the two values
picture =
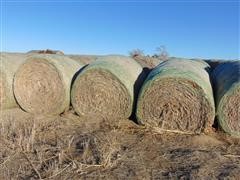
205	29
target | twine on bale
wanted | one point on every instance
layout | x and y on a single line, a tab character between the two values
9	63
177	96
226	78
107	87
42	84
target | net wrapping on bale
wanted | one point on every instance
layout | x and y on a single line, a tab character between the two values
107	87
9	63
42	84
213	63
226	79
84	59
177	96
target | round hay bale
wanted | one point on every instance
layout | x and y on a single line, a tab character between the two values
42	84
177	96
107	87
226	79
214	63
85	59
9	63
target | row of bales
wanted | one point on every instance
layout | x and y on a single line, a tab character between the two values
178	95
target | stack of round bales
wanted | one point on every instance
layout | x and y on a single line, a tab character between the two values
226	78
42	84
9	63
107	87
177	96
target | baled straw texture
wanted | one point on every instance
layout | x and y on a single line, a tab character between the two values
9	63
177	96
107	87
85	59
42	84
226	78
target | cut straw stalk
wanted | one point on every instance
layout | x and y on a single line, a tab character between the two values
107	87
9	63
177	96
42	84
226	78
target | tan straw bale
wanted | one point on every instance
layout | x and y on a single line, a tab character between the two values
42	84
107	87
226	79
9	63
177	96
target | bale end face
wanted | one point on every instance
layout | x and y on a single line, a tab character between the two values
39	87
226	79
175	104
97	92
228	112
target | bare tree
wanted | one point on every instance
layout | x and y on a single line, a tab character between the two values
162	53
136	52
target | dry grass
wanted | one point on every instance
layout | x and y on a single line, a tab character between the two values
70	147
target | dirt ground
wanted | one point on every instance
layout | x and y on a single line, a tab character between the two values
72	147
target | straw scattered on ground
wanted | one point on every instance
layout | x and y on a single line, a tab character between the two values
73	147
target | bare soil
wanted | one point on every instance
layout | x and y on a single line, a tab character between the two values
73	147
